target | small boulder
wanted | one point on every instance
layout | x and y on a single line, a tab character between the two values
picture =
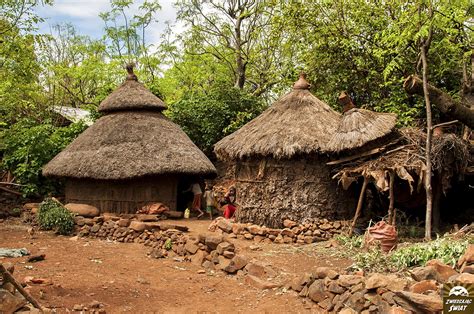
225	246
287	223
225	225
417	302
424	273
398	310
376	281
237	263
465	278
467	257
316	291
443	271
212	241
144	217
301	281
424	286
10	303
228	254
323	272
349	280
138	226
254	229
124	222
198	258
255	270
191	247
83	210
260	283
347	310
287	233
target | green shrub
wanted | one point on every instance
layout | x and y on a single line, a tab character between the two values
54	216
444	249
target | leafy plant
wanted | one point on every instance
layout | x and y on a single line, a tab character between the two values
168	244
444	249
350	242
53	216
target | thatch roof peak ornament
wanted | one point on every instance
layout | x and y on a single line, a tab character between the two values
131	75
131	96
346	102
302	83
359	126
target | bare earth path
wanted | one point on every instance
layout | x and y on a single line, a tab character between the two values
124	279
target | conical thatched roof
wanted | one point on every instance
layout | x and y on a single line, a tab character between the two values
131	95
130	144
298	123
360	126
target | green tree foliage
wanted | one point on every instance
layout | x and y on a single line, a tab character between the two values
28	146
369	47
207	117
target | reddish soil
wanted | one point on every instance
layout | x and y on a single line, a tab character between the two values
124	279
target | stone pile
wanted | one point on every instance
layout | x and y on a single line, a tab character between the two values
382	293
308	232
145	229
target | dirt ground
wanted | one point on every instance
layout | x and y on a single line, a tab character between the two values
124	279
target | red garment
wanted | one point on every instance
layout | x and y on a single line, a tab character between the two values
197	201
229	211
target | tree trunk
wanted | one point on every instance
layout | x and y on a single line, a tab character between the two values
444	102
240	70
429	131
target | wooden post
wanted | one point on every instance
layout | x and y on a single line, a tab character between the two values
428	187
359	204
7	277
391	214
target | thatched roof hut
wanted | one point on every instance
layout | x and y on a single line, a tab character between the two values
359	127
280	169
298	123
124	157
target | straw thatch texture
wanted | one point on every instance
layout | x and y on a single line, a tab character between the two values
298	123
360	126
131	95
407	161
127	145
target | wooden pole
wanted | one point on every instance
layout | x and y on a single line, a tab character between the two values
429	130
391	214
7	277
359	204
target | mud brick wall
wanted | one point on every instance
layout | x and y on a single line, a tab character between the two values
269	191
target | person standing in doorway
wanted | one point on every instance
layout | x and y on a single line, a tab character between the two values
196	189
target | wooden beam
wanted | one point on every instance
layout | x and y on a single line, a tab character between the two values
7	277
391	214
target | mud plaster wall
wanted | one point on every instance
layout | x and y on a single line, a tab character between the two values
123	197
269	191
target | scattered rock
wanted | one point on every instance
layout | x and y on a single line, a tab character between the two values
123	222
255	270
467	257
443	271
347	310
317	292
375	281
191	247
465	278
225	225
424	273
198	258
349	280
9	302
300	282
137	226
418	302
260	283
287	223
237	263
323	272
212	241
424	286
225	246
398	310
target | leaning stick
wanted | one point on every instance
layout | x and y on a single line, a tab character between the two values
391	214
359	204
8	277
